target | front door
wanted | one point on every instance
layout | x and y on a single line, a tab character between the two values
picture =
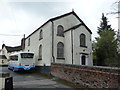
83	59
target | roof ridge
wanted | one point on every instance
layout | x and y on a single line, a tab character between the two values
60	16
52	19
57	17
12	49
74	27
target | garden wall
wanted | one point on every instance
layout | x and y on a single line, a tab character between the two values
88	76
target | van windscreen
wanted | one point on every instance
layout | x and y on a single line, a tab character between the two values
27	55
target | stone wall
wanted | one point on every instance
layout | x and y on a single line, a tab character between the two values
88	76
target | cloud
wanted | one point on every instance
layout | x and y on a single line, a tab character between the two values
23	16
90	11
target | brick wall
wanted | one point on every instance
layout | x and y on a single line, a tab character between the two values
87	76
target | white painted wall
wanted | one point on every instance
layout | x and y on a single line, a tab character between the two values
67	22
46	43
78	49
4	52
68	48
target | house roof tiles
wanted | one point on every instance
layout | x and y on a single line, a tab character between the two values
13	49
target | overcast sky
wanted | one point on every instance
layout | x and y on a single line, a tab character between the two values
18	17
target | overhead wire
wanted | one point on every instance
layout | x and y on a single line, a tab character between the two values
9	35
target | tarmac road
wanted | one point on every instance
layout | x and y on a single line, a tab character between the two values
32	79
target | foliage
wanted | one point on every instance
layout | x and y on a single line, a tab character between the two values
105	47
104	25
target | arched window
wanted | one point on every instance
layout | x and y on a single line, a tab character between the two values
83	40
60	50
29	42
41	35
40	52
60	31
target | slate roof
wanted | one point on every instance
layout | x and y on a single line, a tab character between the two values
13	49
76	26
61	16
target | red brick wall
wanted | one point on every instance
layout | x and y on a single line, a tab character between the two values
87	76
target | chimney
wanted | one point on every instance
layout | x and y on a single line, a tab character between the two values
3	46
23	42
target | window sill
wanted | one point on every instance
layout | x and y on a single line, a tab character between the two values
40	38
83	46
60	35
60	58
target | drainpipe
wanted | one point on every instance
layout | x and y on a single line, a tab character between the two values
72	44
53	42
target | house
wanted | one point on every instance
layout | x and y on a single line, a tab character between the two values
63	39
5	53
7	50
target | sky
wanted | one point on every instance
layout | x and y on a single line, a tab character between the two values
19	17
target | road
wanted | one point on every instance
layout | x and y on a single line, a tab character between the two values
32	79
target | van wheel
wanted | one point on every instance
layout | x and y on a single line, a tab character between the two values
9	68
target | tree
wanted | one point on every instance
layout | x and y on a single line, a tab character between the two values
104	25
94	48
106	46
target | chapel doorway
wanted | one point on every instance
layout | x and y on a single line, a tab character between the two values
83	60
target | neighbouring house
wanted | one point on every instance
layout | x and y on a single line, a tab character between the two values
63	39
7	50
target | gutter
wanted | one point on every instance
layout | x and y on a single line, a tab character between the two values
53	42
72	44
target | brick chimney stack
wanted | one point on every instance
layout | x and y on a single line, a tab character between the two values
23	42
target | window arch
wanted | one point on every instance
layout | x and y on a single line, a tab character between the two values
41	34
40	52
29	42
83	40
60	30
60	50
